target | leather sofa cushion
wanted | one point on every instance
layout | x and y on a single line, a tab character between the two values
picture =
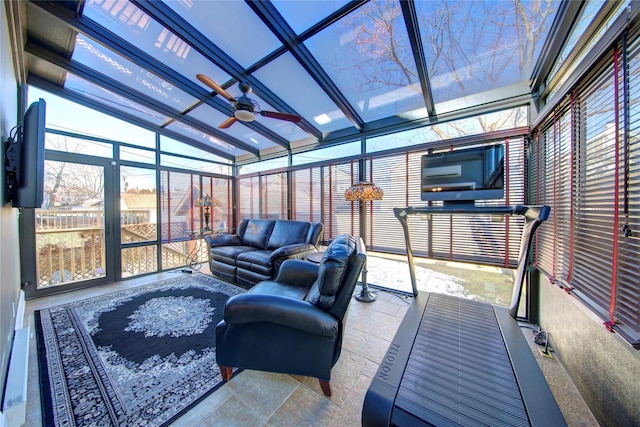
257	232
331	272
288	233
228	254
257	260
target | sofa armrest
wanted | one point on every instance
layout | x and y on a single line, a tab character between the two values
290	312
295	272
222	240
291	250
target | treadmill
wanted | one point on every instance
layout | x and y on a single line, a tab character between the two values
459	362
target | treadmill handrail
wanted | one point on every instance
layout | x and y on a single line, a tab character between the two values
533	215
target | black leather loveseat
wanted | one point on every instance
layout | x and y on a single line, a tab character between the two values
258	249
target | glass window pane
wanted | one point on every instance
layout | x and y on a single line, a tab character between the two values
70	144
490	44
481	124
232	26
368	55
139	260
137	155
323	154
172	146
70	236
90	122
281	162
135	26
194	165
314	11
138	205
302	93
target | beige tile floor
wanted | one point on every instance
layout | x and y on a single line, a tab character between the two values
265	399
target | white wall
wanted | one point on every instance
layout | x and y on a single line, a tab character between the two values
9	258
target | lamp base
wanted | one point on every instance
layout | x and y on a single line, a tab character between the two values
365	295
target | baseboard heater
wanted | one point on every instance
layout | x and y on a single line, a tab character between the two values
456	361
14	406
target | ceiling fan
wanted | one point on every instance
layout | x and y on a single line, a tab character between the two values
245	107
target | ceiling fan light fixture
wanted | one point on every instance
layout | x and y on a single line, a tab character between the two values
245	116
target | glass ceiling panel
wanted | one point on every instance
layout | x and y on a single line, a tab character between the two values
368	55
111	64
303	18
132	24
286	77
477	46
230	25
207	139
108	98
213	117
88	121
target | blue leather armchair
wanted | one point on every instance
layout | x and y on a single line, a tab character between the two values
293	324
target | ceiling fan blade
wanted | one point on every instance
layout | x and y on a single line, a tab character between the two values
231	120
213	85
282	116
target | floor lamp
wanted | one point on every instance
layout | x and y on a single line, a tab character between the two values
364	192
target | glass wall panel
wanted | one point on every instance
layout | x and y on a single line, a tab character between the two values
139	260
477	125
70	235
279	163
220	189
306	193
170	145
137	155
72	144
274	196
248	197
194	165
138	205
323	154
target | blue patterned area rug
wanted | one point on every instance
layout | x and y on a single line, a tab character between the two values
138	357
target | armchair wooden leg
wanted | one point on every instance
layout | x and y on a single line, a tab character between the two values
326	388
226	372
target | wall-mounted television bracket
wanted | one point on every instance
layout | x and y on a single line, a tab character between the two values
12	161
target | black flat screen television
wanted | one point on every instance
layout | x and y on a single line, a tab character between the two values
30	188
463	176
